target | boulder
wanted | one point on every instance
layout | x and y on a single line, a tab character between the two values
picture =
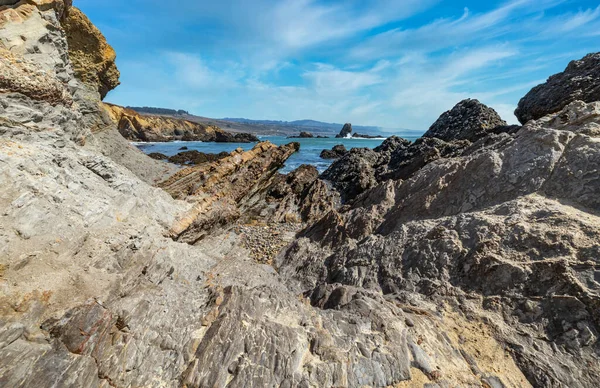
579	81
468	120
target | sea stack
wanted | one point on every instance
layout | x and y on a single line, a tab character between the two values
345	132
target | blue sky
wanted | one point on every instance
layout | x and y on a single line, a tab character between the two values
390	63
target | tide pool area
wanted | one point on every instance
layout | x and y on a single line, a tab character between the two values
310	148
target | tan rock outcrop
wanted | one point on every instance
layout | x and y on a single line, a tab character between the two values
138	127
93	59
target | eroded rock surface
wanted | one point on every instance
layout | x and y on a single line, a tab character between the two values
580	81
92	58
217	188
507	234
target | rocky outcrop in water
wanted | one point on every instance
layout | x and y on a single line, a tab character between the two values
345	132
579	81
336	152
195	157
137	127
468	120
302	135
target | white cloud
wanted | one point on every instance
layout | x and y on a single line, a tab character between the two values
449	32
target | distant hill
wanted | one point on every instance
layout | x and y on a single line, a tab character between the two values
273	127
158	111
328	127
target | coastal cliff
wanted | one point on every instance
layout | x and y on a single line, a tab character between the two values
137	127
466	258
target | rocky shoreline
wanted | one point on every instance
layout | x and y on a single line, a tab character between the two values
469	257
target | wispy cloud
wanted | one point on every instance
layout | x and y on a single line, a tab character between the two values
379	62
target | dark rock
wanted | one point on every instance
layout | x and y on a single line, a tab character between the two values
183	149
158	156
296	197
336	152
226	137
353	173
303	135
196	157
579	81
408	159
363	136
346	130
468	120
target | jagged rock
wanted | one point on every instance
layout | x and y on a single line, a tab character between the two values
137	127
468	120
353	173
92	58
346	130
579	81
407	160
360	168
473	231
293	198
336	152
219	186
478	270
226	137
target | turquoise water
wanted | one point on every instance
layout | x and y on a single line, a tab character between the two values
310	149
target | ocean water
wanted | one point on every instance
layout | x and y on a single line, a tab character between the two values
310	149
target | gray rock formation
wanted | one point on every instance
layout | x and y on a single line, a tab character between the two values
473	232
468	120
346	130
579	81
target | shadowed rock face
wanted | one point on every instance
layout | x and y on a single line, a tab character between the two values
468	120
336	152
579	81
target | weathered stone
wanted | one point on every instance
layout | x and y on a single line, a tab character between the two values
92	58
468	120
580	81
